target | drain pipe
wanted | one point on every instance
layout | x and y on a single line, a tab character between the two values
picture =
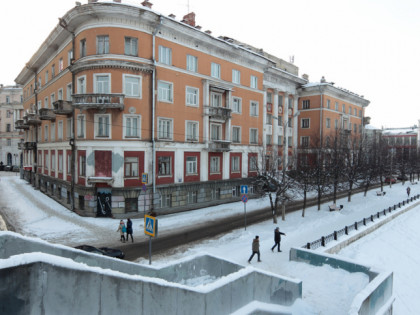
154	78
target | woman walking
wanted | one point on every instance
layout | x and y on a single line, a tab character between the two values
122	230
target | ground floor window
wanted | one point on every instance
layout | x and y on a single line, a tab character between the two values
131	204
191	197
166	200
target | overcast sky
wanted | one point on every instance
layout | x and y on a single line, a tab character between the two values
370	47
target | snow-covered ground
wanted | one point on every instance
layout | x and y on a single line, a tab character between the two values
326	291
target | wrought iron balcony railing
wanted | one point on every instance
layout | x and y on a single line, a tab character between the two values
221	113
62	107
29	145
98	101
219	146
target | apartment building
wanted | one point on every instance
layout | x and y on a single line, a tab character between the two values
155	113
403	144
10	110
326	112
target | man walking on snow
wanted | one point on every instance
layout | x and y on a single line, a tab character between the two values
277	239
255	248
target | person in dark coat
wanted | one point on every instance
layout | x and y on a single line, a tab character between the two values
408	191
130	229
255	248
277	239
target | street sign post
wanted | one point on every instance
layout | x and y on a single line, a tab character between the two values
244	189
144	178
244	200
150	228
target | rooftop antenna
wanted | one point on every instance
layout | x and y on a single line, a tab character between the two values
292	59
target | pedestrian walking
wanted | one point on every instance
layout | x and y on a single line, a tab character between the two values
255	248
277	239
122	230
130	229
408	191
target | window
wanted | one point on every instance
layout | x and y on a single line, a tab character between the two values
236	134
82	166
52	132
216	131
165	91
165	55
52	71
60	130
165	128
354	128
237	105
83	48
253	108
102	44
216	100
268	139
355	112
46	77
46	133
81	85
280	121
349	110
328	123
103	126
253	136
236	191
236	76
131	167
215	70
290	103
304	142
192	63
269	119
280	140
165	166
8	128
166	200
254	82
214	164
269	97
132	86
130	46
191	165
191	96
52	100
69	57
235	164
53	160
102	83
253	163
60	94
191	197
47	161
336	106
68	91
69	128
39	83
305	123
343	108
328	104
215	194
68	163
81	126
60	163
192	131
336	123
131	126
289	141
305	104
39	104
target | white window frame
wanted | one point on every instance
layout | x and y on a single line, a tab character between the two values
81	84
128	120
52	132
191	166
165	128
215	129
69	131
97	119
46	133
254	82
165	55
192	63
191	197
238	128
53	160
60	163
69	91
253	131
165	91
81	126
129	87
102	44
304	141
235	163
215	70
236	105
305	123
236	76
253	163
46	102
131	46
52	100
60	95
60	130
328	122
82	166
192	96
102	87
216	99
131	160
215	165
253	105
166	173
192	130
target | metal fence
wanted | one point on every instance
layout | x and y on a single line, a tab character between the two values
347	229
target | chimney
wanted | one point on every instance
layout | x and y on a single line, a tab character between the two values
172	16
189	19
147	4
208	32
117	1
323	79
198	27
305	76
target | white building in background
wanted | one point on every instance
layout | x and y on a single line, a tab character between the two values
11	108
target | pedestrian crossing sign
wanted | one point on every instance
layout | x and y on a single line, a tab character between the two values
150	225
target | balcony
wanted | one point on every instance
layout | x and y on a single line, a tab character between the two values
98	101
46	114
220	113
29	145
219	146
20	124
62	107
21	145
32	119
